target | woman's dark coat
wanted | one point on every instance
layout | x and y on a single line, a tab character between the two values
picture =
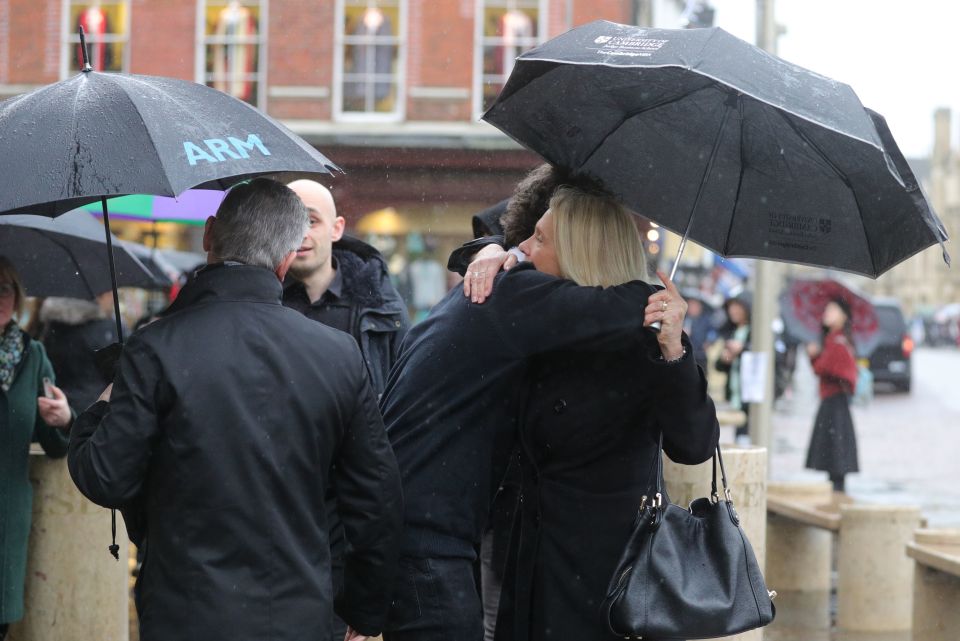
589	444
20	423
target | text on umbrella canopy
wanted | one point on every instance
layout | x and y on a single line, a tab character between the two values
218	148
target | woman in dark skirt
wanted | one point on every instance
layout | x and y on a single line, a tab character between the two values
833	444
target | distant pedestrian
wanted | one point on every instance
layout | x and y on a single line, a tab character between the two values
833	443
230	418
735	335
698	325
71	330
27	416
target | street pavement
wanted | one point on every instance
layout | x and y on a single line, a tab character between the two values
909	443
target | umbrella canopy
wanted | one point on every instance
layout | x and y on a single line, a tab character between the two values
192	207
717	140
67	256
803	302
105	134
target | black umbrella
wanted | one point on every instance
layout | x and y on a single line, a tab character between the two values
98	135
717	140
65	256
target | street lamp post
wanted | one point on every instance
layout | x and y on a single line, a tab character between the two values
767	278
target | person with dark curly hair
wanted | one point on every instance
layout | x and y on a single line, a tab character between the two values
529	201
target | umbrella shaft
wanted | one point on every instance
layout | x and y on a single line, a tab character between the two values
113	268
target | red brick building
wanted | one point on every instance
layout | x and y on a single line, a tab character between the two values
392	90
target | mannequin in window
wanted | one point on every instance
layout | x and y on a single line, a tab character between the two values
371	58
96	25
234	61
514	27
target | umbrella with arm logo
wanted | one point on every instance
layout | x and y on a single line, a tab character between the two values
99	135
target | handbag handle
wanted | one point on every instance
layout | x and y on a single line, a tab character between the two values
717	456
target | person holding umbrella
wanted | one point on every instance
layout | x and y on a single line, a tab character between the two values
590	428
450	409
228	420
833	443
34	409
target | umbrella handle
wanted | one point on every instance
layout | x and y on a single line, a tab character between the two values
656	326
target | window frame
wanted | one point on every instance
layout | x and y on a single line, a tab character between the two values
70	39
202	40
399	112
480	42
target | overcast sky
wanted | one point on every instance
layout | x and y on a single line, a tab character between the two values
902	58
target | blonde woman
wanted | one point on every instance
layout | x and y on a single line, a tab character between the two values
590	427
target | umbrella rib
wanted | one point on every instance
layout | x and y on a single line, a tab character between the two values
736	198
637	112
843	178
153	143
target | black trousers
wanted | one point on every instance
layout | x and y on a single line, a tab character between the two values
3	630
436	600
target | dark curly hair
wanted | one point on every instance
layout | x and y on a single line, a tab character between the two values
531	199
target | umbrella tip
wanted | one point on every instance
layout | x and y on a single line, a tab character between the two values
83	50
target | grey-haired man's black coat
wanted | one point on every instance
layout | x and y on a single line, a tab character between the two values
226	419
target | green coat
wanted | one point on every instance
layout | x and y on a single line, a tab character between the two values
20	423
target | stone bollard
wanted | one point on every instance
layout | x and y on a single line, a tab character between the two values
747	477
798	555
874	574
936	592
75	589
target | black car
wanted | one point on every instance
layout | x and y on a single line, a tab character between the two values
890	359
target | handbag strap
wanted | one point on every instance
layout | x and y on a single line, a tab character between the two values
717	456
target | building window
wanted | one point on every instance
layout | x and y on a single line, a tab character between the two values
504	30
231	56
105	25
369	59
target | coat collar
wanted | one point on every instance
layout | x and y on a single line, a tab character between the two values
229	281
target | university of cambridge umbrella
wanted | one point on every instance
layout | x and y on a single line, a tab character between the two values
717	140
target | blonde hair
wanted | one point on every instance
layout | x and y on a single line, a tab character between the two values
596	239
8	273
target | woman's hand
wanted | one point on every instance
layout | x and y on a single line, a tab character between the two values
478	281
668	307
353	635
55	411
813	350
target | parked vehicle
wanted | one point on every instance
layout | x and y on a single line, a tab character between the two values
890	361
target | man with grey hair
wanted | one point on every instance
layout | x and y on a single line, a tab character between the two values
229	419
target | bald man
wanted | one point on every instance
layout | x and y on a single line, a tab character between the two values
343	283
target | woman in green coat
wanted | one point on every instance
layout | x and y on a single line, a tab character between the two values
25	416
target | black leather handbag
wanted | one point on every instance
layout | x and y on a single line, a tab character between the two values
687	574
